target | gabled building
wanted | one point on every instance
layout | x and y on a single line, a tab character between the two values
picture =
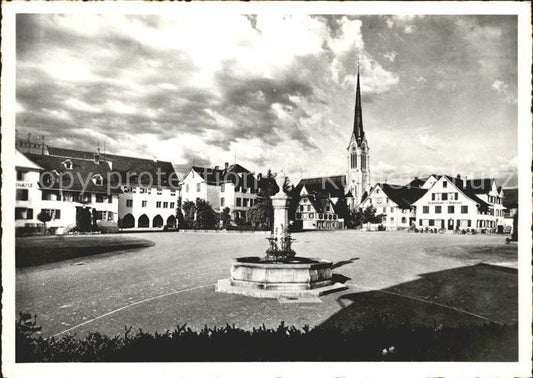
64	186
233	186
394	204
455	204
316	212
149	188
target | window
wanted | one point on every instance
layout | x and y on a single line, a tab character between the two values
425	209
391	219
129	203
311	216
46	196
159	192
109	199
172	192
165	205
144	203
438	209
54	213
469	223
445	196
98	180
301	207
320	216
238	201
404	220
245	202
451	209
99	198
19	213
456	196
21	175
158	204
251	202
431	222
327	208
198	187
222	188
29	214
433	196
464	209
67	164
444	184
420	222
172	205
222	202
308	207
186	188
22	194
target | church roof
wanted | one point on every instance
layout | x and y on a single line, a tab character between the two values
358	130
234	173
327	186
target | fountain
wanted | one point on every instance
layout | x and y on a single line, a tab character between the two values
280	273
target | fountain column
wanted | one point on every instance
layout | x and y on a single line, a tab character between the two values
280	203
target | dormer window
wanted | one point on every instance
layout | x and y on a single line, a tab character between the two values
444	184
67	164
98	180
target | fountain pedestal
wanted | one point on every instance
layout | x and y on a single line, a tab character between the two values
280	273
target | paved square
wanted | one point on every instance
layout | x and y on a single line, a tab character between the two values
391	277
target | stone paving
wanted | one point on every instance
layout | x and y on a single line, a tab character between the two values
394	276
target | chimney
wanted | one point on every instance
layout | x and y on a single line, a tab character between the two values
226	165
96	157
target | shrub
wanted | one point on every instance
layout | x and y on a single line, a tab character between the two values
489	342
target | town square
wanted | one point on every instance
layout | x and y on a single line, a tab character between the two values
288	186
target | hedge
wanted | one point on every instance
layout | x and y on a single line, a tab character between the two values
489	342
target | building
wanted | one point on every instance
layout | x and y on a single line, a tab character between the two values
394	204
28	193
358	162
353	186
62	187
456	204
149	188
233	187
315	212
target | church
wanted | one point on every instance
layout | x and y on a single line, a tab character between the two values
312	196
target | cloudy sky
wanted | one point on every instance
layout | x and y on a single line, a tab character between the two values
275	91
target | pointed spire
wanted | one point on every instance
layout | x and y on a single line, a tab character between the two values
358	116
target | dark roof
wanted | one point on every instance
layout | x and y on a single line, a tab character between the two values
358	130
234	173
332	186
75	179
126	164
510	198
403	196
417	182
480	186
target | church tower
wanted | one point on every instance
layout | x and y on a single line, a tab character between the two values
358	172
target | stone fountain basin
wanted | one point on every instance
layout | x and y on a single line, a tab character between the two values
299	273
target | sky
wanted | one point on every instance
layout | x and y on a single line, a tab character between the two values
439	93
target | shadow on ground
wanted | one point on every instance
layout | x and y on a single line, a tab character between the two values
461	297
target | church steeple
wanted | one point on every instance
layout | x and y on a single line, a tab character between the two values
358	131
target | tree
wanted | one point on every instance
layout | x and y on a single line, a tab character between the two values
83	220
225	217
206	217
369	215
262	213
343	211
189	214
44	217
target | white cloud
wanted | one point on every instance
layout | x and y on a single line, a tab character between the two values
421	79
501	87
390	56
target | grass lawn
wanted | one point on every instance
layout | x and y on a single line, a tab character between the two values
46	249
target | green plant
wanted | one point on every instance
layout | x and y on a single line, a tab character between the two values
44	217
